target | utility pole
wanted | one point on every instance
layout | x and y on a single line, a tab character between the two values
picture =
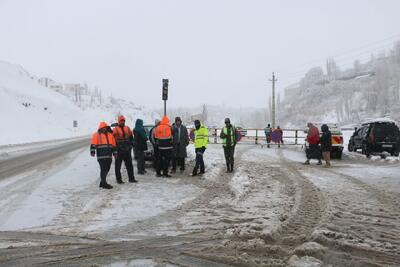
273	80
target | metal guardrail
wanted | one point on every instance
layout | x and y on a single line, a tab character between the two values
255	136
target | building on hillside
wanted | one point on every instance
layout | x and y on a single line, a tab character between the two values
46	82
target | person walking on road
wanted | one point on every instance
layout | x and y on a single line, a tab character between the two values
228	136
313	140
163	136
180	142
268	132
156	151
200	145
326	144
140	141
103	145
124	139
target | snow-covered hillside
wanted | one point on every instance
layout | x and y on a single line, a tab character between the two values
365	91
31	112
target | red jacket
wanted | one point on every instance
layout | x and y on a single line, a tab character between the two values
313	136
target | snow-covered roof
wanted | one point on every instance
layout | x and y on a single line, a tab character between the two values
379	120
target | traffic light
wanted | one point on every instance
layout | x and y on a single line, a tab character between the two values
165	89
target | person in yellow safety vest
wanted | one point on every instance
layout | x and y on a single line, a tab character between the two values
228	136
200	145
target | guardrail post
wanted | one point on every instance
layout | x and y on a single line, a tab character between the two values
295	141
256	136
215	136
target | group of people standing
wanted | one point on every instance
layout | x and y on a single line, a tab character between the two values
169	142
314	140
118	143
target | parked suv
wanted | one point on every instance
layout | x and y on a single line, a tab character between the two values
376	137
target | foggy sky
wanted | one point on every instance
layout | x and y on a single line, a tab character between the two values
215	52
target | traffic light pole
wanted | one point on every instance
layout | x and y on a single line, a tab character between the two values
165	94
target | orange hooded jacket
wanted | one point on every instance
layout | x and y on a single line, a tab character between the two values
103	142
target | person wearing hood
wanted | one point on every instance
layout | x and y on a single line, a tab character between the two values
163	137
228	136
200	146
103	145
180	142
155	148
124	139
313	140
140	142
326	144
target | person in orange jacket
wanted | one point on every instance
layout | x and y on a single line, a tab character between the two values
124	138
103	145
163	137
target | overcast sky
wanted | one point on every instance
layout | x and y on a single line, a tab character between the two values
217	51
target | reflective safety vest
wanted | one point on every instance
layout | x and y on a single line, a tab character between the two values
103	144
163	136
201	137
232	135
123	137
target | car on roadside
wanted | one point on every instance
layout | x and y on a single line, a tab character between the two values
337	138
149	153
376	137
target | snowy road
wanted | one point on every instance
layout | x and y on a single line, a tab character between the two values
271	211
27	159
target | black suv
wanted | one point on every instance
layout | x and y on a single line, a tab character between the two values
376	137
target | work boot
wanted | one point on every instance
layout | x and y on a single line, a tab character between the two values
231	167
319	162
101	184
119	181
158	175
167	176
228	168
201	172
194	173
173	170
307	162
107	186
133	180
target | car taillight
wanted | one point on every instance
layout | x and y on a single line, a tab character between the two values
341	139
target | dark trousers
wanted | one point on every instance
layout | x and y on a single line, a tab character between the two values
157	160
140	160
229	152
165	157
199	160
314	152
178	161
105	165
126	157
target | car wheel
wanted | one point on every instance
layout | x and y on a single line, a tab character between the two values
395	153
383	156
350	147
366	151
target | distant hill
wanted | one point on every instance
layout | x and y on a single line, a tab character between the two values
365	91
32	112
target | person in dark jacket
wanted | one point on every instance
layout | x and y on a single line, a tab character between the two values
124	138
103	145
326	144
140	145
313	140
180	141
228	136
157	158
